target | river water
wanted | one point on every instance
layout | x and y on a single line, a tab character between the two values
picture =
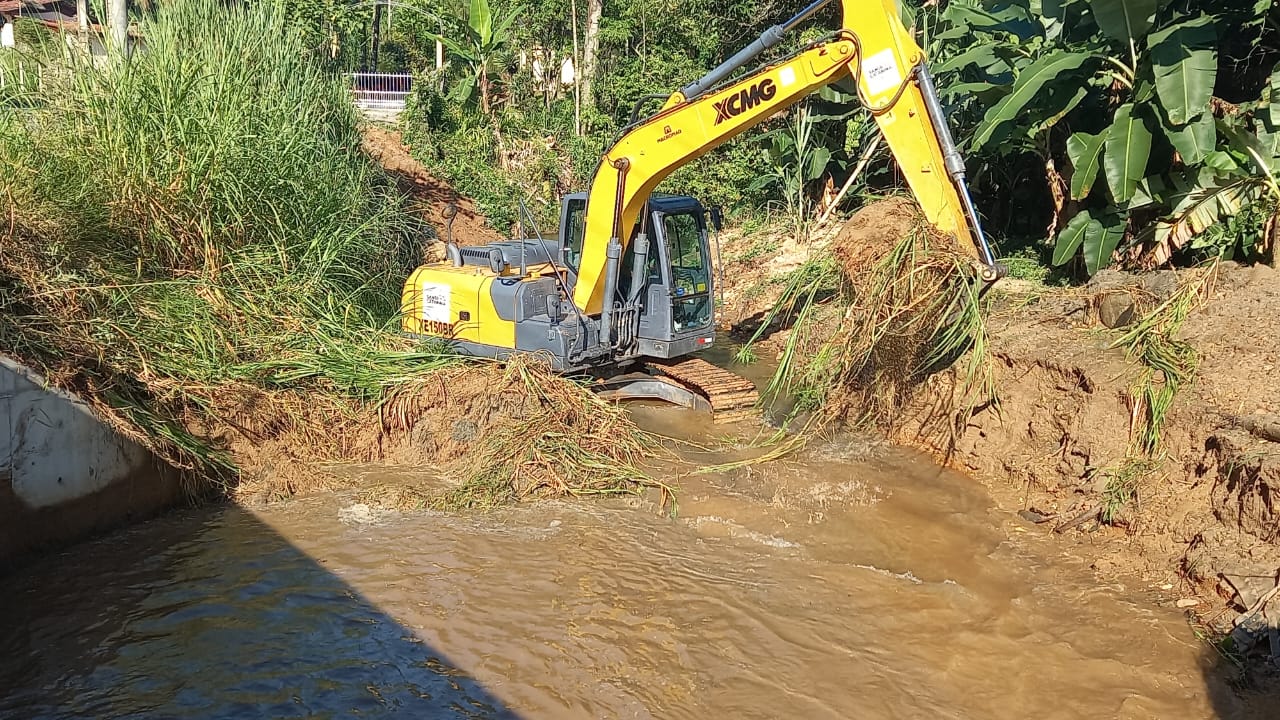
855	581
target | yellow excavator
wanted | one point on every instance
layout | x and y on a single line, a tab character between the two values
628	284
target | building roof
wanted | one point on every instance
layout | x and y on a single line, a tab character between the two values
54	14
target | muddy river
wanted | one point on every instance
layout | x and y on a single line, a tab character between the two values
855	581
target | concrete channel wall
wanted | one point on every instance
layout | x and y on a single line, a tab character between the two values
64	474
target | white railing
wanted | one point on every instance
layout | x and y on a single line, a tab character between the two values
19	76
381	91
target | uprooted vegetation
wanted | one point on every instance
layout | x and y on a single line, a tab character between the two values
194	242
873	314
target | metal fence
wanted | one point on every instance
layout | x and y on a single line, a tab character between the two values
381	92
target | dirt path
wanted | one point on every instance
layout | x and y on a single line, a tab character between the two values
430	195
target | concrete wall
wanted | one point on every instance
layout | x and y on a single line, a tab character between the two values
64	474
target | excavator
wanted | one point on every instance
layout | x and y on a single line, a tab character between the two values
626	292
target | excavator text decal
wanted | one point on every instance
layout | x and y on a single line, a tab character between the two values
745	99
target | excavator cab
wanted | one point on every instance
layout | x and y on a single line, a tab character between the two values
671	287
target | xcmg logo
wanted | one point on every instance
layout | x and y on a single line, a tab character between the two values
745	99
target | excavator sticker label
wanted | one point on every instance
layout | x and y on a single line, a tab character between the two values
745	99
881	72
435	302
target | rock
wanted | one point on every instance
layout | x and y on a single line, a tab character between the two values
464	430
1250	583
1104	565
1115	309
1033	516
1262	274
1187	602
1161	284
1111	280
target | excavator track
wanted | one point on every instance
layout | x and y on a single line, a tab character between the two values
732	397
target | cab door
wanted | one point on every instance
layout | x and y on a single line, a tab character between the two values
688	264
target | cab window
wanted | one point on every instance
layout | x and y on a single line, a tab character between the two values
689	272
574	230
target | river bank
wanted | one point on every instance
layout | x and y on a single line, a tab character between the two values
1194	521
854	579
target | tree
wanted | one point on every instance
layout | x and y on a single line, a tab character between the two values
483	37
590	48
1121	93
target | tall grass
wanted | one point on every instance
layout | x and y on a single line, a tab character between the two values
197	215
193	240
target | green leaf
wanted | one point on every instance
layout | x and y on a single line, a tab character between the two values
1186	67
1221	161
481	21
1150	191
1100	241
1127	149
972	88
981	55
818	163
1252	147
1274	103
1071	237
1124	20
1062	99
1026	89
1085	151
1195	140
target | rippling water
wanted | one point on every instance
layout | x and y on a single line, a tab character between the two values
855	584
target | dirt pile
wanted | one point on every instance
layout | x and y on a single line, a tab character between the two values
870	315
502	433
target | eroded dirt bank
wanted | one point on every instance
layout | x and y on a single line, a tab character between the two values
1058	446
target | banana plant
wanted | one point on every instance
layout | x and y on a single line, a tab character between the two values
483	35
802	152
1119	93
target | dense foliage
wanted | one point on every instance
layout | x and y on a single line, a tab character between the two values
1151	123
1134	130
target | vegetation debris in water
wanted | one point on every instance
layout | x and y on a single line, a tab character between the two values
903	305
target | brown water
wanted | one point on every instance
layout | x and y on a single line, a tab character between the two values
863	582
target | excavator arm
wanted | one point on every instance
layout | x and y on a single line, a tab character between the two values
871	47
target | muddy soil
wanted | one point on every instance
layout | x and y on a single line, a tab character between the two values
1063	425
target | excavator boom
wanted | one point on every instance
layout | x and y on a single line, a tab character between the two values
871	47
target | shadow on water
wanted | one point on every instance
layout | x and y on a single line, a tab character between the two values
210	613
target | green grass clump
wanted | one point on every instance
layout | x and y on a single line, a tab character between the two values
1168	362
195	216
